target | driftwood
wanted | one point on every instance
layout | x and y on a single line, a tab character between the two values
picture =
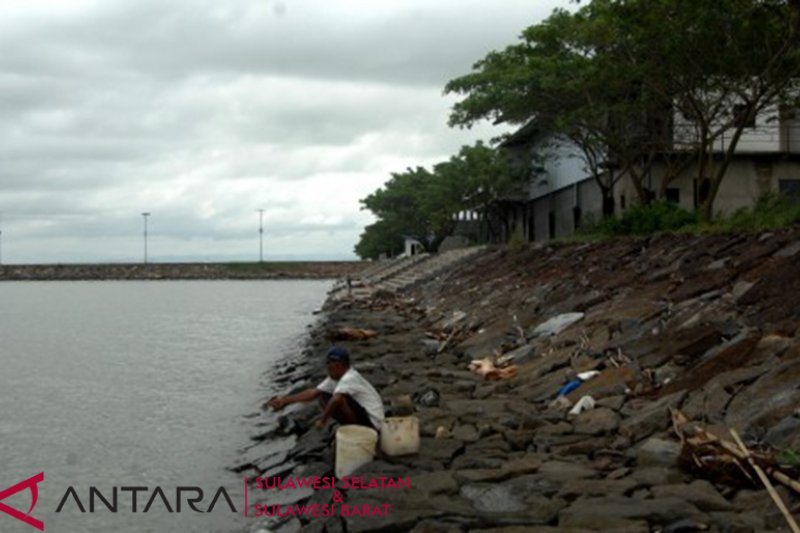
767	483
705	445
351	334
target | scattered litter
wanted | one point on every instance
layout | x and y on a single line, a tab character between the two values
569	387
762	476
722	458
442	433
493	368
351	334
557	324
586	376
584	404
427	397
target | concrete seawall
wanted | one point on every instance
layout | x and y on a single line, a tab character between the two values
180	271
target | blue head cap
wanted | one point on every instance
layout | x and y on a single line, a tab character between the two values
338	354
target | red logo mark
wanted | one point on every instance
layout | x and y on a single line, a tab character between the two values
32	485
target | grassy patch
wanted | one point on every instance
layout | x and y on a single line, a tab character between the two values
657	217
771	211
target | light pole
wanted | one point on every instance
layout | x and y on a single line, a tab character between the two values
260	235
144	216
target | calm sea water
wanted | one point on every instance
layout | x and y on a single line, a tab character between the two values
137	384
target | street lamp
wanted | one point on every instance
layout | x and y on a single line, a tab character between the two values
260	235
144	216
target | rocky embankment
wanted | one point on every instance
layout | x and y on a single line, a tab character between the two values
179	271
678	339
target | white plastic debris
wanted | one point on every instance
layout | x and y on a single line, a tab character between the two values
584	404
586	376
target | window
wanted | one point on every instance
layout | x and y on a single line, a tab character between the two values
673	195
743	117
622	201
790	189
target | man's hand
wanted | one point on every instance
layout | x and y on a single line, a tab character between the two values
277	403
321	423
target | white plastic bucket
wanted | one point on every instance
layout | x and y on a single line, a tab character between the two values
355	446
400	435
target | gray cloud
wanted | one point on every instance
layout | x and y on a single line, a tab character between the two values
203	111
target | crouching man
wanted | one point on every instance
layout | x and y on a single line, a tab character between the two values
344	395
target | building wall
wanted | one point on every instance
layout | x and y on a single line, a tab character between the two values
790	133
563	166
564	202
591	200
541	216
764	137
746	180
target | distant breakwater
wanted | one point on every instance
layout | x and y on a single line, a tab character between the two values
180	271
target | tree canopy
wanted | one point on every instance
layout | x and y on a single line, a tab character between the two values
613	76
424	203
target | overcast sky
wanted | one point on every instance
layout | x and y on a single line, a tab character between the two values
201	112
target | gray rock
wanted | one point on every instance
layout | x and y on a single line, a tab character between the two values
427	397
493	498
651	417
789	251
612	402
658	452
746	522
592	512
522	354
769	400
439	526
483	391
596	422
596	487
701	493
583	446
718	264
656	475
466	433
519	440
785	434
563	471
556	325
435	450
513	502
741	288
430	347
473	462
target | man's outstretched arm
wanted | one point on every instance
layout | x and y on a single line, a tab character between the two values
305	396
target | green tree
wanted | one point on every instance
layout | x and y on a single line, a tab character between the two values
613	76
425	203
720	65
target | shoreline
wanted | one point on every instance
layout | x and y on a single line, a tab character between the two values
705	325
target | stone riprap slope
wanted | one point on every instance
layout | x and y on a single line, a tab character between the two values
705	325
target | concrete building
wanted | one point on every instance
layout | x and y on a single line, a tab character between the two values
766	159
561	193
